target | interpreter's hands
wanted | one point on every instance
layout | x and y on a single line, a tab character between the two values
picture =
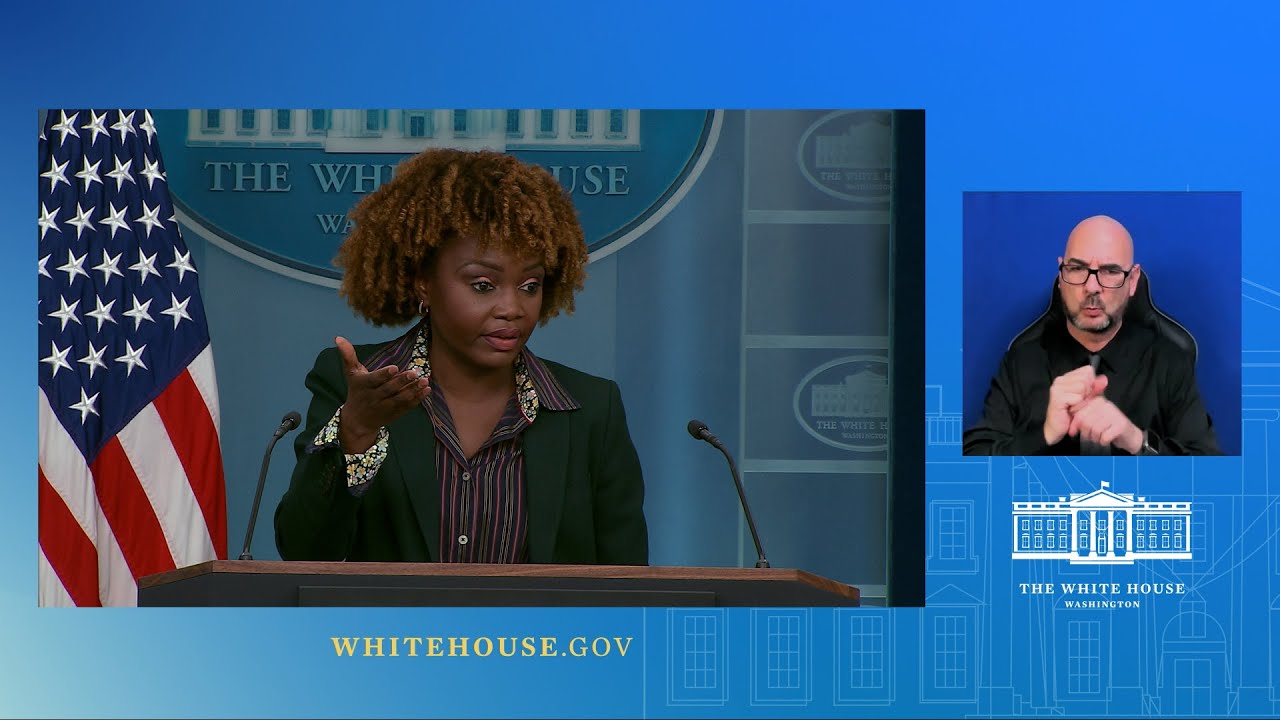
1067	393
1099	421
374	399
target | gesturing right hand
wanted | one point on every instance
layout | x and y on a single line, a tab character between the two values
1067	393
374	399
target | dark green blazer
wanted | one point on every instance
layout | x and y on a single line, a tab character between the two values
585	491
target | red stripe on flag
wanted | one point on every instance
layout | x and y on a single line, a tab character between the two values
129	512
70	552
195	439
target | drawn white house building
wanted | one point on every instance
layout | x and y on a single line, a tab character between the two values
862	394
1102	527
412	131
867	142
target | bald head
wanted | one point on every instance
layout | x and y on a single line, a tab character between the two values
1099	241
1098	276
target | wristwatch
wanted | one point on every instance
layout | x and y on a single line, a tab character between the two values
1146	448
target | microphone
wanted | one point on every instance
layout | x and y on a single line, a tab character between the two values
700	431
290	423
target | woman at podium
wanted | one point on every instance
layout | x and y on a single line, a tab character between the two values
454	442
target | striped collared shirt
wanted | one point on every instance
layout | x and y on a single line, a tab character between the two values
483	516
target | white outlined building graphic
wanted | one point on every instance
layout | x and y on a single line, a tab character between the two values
1102	528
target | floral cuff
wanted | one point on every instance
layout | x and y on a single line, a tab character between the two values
361	467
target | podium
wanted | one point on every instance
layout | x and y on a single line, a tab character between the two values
257	583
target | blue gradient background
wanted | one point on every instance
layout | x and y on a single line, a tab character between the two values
1019	98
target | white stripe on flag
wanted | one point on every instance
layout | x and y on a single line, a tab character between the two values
202	374
146	443
69	476
52	592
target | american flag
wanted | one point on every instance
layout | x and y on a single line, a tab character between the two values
130	468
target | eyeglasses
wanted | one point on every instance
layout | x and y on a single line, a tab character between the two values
1108	277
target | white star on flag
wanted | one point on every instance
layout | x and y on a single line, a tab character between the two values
108	266
85	406
151	171
145	266
139	312
98	126
44	272
94	358
148	125
182	263
82	220
132	358
56	173
89	174
115	220
121	172
124	126
57	359
178	310
48	220
102	313
66	313
149	217
74	266
67	127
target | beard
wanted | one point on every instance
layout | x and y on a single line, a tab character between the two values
1098	325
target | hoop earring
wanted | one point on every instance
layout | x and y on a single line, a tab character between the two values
422	309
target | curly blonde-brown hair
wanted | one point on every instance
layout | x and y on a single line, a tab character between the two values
439	194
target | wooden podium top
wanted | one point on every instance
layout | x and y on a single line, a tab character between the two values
346	573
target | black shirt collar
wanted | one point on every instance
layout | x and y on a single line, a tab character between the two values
1120	354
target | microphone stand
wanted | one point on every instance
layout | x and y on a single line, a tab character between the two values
290	422
700	431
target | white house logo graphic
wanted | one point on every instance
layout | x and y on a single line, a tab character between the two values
847	403
847	155
273	186
1102	528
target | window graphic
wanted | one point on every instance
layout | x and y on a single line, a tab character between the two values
950	641
1084	656
700	633
696	653
617	123
546	123
784	652
866	652
419	123
953	522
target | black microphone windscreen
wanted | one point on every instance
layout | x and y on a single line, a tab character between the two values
697	428
291	420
